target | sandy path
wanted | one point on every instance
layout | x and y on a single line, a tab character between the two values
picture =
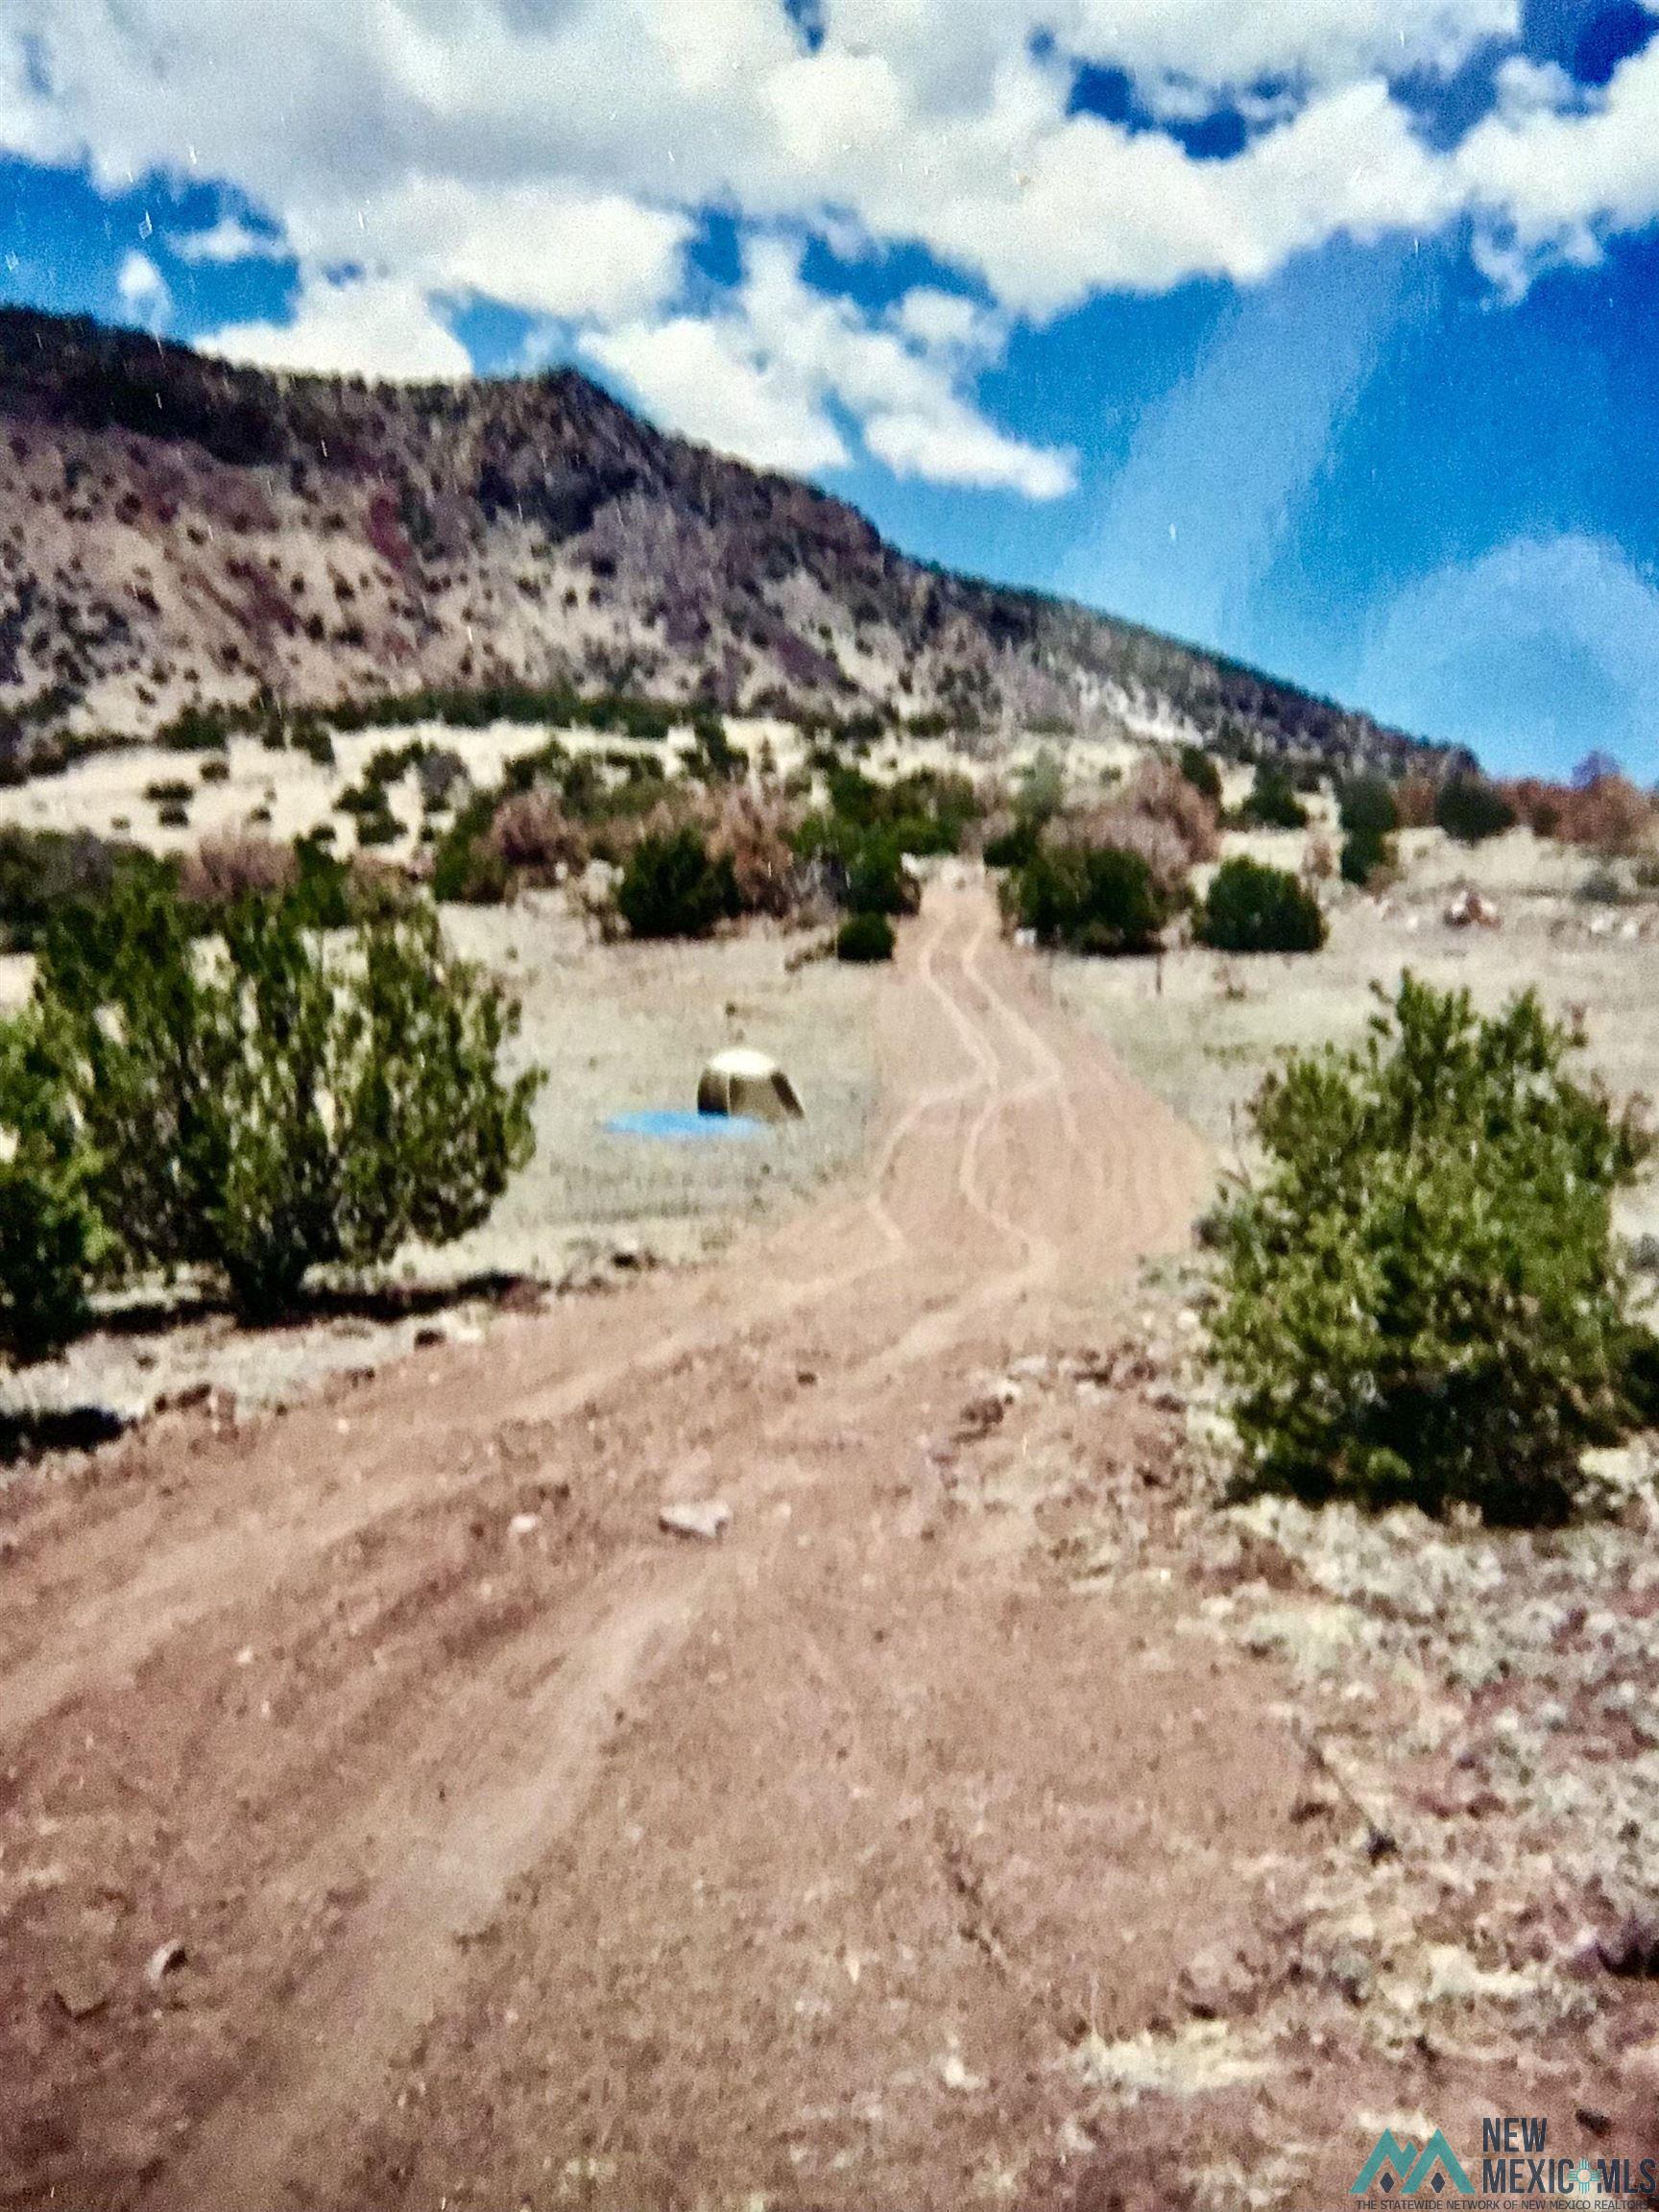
509	1864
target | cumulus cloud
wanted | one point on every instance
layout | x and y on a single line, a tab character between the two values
227	241
355	325
915	118
558	157
703	376
1096	207
1551	173
1322	42
143	291
948	321
766	375
548	247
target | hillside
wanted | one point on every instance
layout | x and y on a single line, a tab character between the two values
173	531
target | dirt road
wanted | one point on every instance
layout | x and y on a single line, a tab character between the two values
521	1854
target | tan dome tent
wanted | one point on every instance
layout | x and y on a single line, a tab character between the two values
739	1081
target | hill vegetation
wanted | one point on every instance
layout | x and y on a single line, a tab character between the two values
176	533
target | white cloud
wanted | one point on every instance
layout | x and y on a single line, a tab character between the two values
1323	41
950	443
948	321
228	240
556	155
556	148
548	248
1097	208
356	327
703	377
764	378
143	290
1550	174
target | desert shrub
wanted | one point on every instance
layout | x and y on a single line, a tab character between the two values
1470	810
1366	807
1089	899
1159	794
712	757
1157	844
925	812
314	742
1272	802
534	836
196	730
1601	809
673	886
752	831
1420	1298
169	791
369	802
554	810
52	1237
1202	773
1013	834
1252	909
53	872
865	937
477	707
1367	856
467	867
857	848
216	769
1538	803
322	892
1602	887
224	868
174	814
877	881
377	890
1041	792
1414	796
276	1106
1011	839
1610	815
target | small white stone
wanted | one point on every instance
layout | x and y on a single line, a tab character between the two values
706	1518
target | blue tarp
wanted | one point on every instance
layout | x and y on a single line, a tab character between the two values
675	1127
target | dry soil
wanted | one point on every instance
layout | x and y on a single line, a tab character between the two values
393	1815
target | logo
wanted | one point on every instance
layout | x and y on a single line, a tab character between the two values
1400	2166
1517	2168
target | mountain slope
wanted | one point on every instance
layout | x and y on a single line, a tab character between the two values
174	530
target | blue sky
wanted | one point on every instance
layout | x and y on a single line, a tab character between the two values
1322	331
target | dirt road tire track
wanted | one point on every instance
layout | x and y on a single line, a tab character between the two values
293	1691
